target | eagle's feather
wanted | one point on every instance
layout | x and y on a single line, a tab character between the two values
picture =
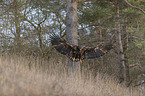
77	52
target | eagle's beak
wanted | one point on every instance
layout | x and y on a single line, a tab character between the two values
80	61
74	59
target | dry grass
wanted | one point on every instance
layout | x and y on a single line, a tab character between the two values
18	79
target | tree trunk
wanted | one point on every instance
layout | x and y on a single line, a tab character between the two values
17	26
125	48
122	44
71	30
39	33
121	63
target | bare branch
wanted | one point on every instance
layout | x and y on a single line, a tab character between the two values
138	65
43	20
31	23
141	1
59	16
139	84
84	0
137	38
113	3
134	6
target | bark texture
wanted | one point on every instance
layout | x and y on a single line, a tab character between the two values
71	30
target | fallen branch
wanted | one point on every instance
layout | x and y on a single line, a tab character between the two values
134	6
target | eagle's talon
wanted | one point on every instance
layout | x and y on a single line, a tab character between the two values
80	61
74	59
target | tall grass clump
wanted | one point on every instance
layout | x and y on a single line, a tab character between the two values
28	76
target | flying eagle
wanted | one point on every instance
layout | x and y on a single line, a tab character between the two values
77	53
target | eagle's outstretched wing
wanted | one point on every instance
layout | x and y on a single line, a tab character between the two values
63	47
96	52
75	52
60	45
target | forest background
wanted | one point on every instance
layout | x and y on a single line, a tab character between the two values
26	25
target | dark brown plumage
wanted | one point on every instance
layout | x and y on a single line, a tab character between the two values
77	53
